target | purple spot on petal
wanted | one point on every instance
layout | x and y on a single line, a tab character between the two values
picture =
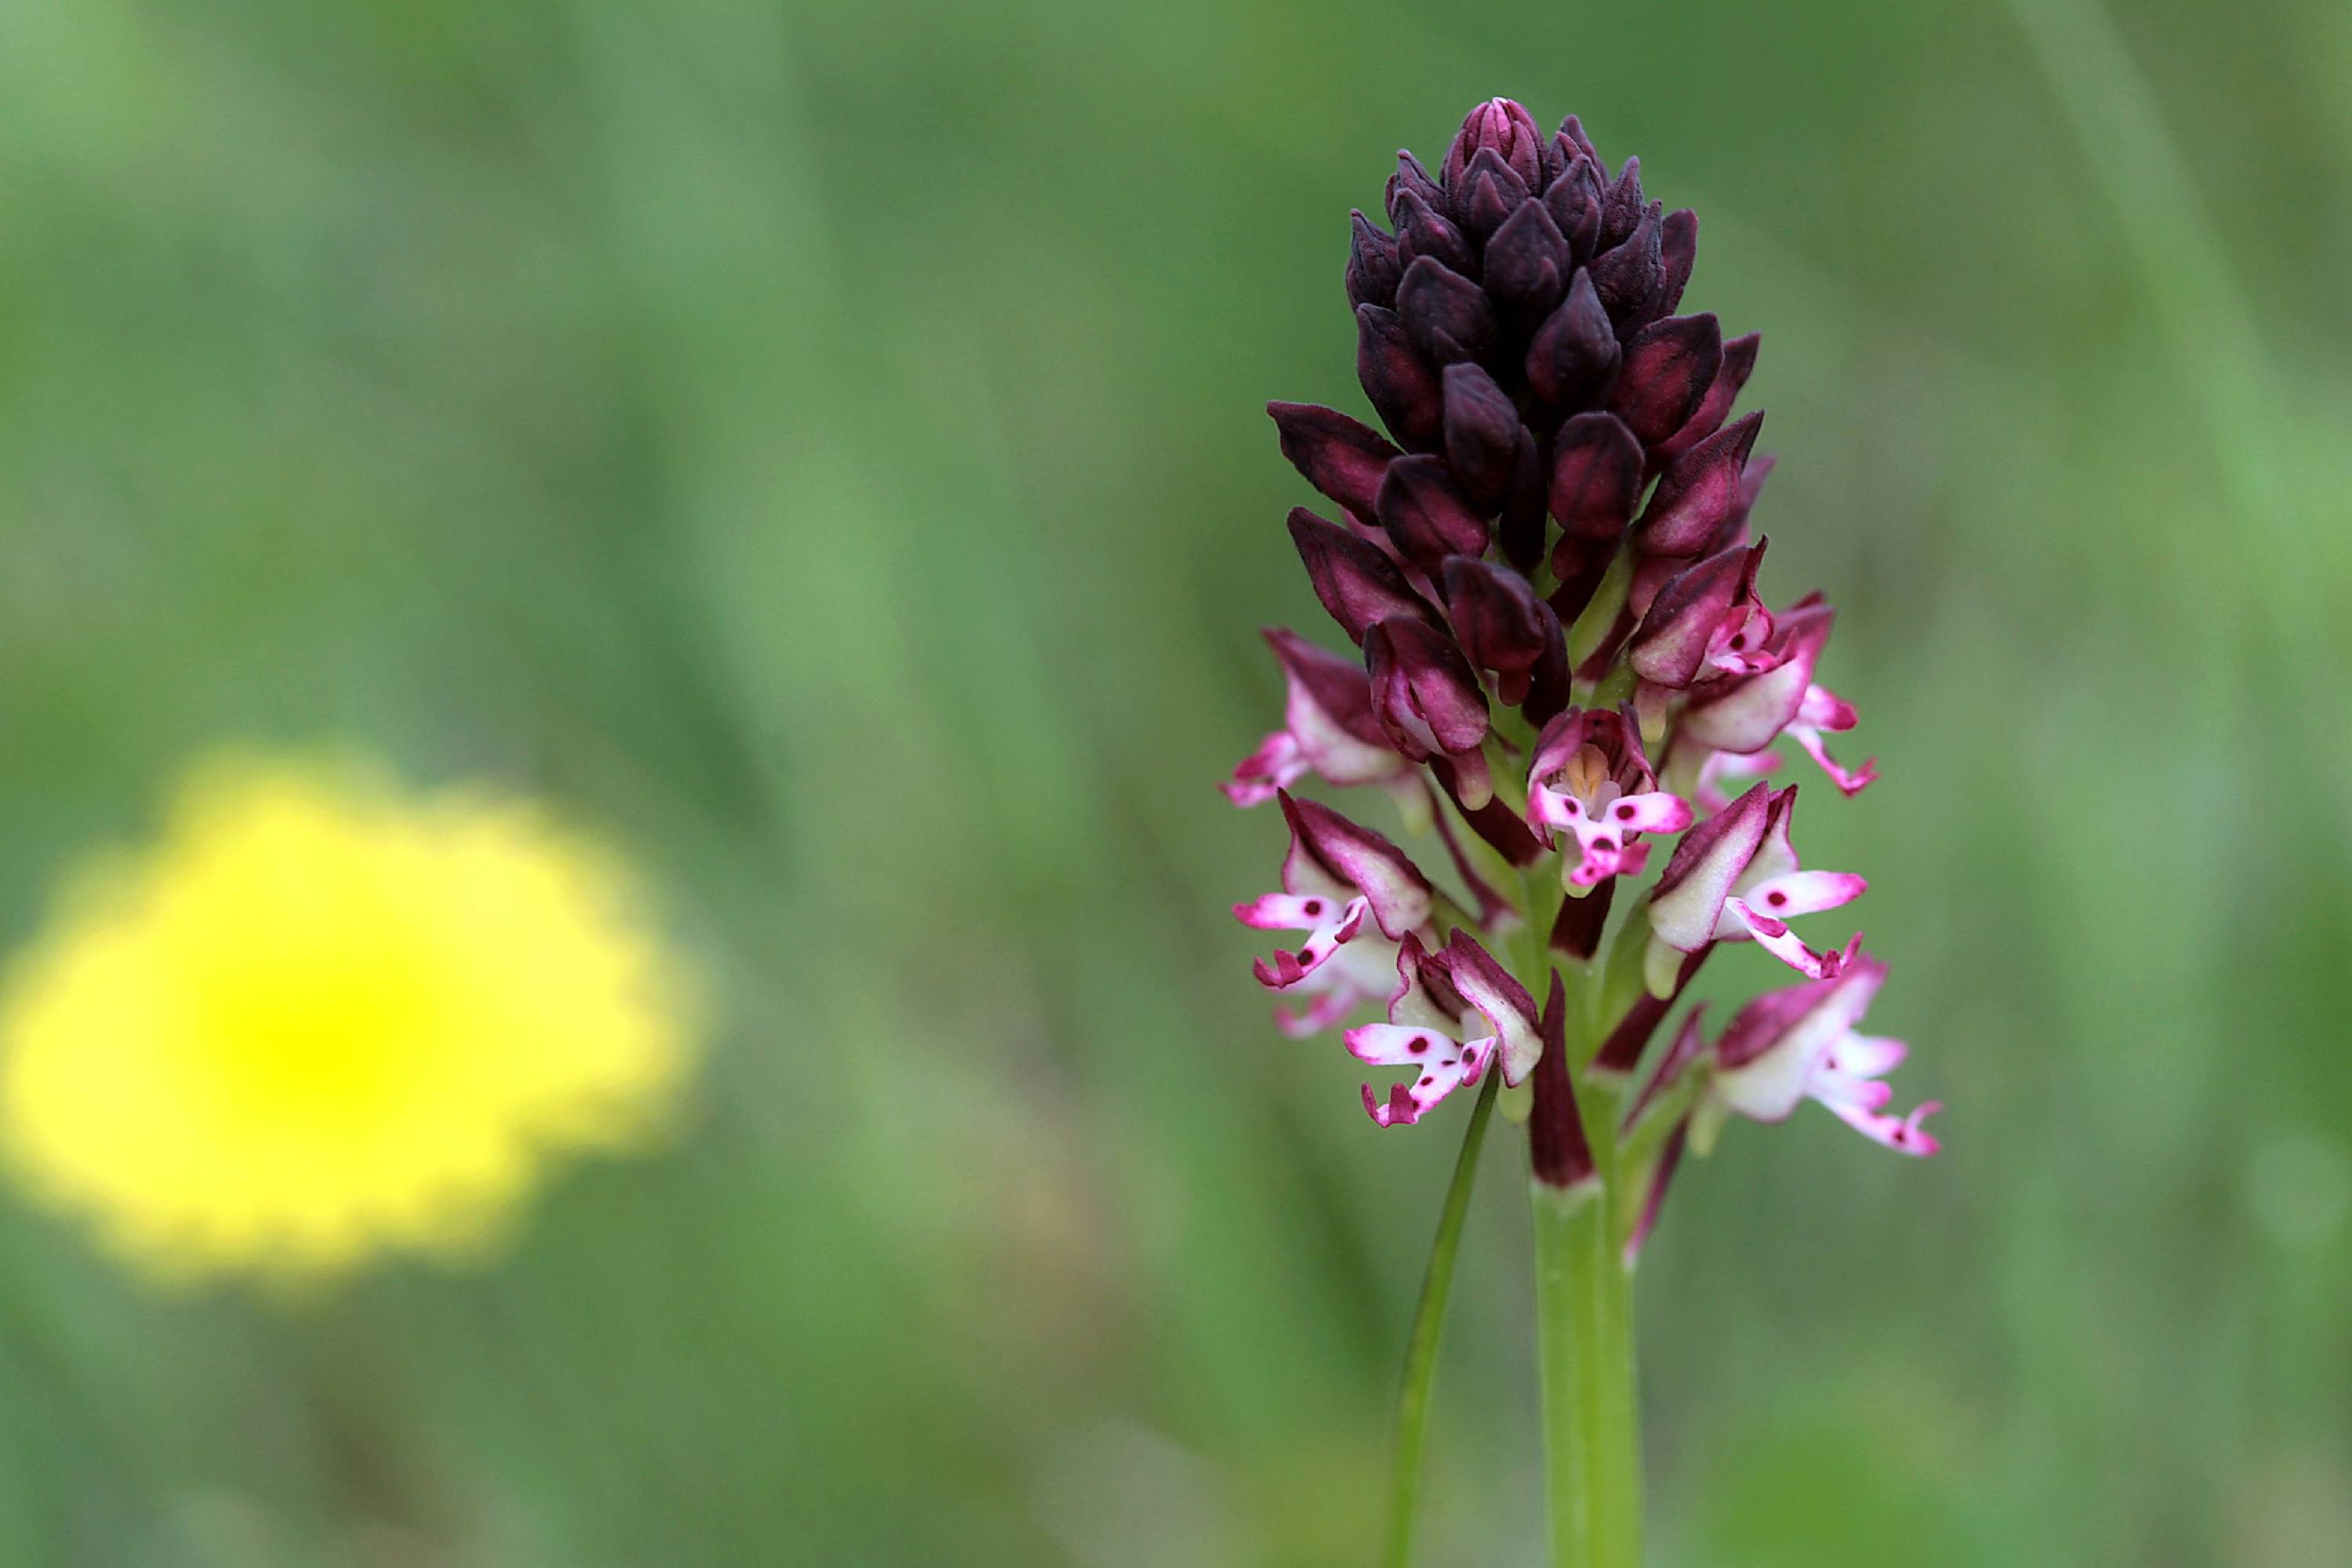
1777	900
1426	1082
1624	812
1420	1043
1312	907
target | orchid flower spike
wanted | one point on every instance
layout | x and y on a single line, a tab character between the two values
1541	550
1542	553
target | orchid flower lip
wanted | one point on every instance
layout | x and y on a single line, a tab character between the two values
1430	1028
1590	779
1800	1043
1355	895
1330	926
1770	889
1686	905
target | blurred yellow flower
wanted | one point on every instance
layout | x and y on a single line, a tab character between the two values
323	1020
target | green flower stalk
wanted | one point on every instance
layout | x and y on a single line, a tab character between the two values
1562	659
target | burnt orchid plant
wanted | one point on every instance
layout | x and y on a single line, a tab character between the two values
1564	658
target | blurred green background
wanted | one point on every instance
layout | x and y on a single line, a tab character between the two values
823	444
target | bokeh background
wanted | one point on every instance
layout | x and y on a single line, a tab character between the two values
822	444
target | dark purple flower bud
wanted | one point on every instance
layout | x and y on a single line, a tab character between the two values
1520	529
1707	622
1412	178
1620	210
1558	1155
1574	202
1339	456
1596	478
1482	435
1678	249
1699	494
1669	367
1504	628
1401	385
1738	364
1372	266
1421	231
1426	515
1503	128
1430	702
1627	275
1552	160
1448	317
1489	193
1572	363
1527	266
1358	585
1560	155
1572	130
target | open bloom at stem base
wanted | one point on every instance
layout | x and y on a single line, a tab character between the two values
1452	1013
1801	1044
322	1019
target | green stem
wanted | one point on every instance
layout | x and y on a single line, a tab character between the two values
1617	1466
1569	1225
1584	1331
1428	1326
